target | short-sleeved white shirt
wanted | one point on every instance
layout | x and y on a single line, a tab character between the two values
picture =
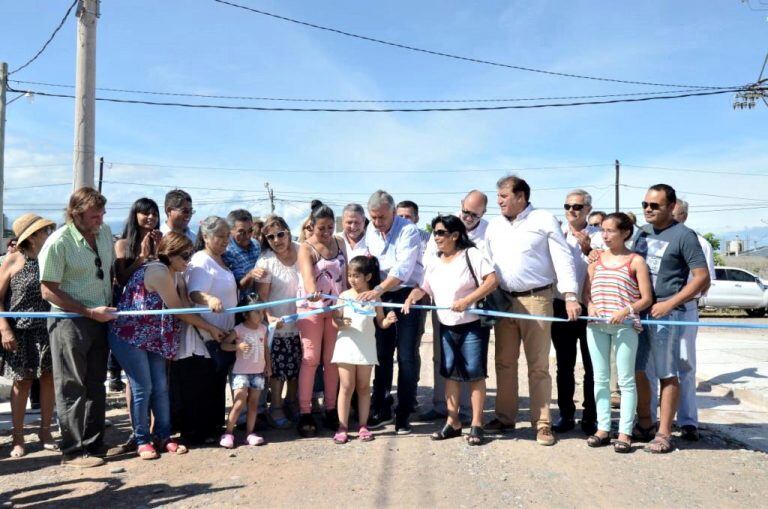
283	284
448	282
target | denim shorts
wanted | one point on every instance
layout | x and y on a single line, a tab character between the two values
660	344
256	381
464	353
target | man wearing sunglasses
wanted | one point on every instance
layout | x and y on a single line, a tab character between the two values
471	212
673	253
530	255
567	337
242	251
75	277
179	212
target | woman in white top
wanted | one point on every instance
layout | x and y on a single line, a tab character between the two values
456	279
200	378
280	280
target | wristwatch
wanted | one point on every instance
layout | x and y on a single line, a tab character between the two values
571	298
378	289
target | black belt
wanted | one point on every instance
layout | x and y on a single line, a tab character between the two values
528	292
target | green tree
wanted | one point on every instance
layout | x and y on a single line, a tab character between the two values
715	243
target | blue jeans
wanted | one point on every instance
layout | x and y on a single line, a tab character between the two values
403	335
659	352
149	389
464	352
601	338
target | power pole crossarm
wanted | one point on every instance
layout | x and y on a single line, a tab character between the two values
85	94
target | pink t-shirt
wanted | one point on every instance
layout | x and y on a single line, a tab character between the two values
448	282
253	362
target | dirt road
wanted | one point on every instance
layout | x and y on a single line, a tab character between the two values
398	471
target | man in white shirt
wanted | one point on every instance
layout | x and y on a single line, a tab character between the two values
395	242
353	230
529	253
178	211
473	208
581	238
687	410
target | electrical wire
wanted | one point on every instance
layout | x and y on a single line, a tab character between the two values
456	57
395	110
355	101
681	192
690	170
55	31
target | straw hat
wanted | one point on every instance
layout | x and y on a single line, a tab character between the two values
26	226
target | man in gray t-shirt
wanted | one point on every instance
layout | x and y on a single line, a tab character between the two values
672	252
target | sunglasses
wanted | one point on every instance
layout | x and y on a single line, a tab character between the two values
441	233
276	235
471	214
651	205
97	262
186	256
576	206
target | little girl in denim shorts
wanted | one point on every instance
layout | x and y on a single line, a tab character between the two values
249	373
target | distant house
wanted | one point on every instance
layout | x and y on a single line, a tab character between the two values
754	260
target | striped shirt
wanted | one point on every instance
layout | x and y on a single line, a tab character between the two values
68	259
614	288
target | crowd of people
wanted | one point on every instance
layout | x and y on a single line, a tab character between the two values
348	306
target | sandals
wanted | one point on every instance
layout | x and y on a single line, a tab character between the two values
446	432
661	444
644	434
364	434
44	435
18	444
476	435
596	441
622	447
174	447
255	440
147	452
307	427
341	437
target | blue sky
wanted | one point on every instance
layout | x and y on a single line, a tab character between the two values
203	47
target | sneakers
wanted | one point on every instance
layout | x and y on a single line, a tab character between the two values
227	441
544	436
255	440
402	426
376	421
82	461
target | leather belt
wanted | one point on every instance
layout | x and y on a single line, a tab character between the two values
528	292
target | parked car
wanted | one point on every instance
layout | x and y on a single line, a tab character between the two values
737	288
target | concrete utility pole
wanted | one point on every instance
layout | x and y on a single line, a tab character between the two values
3	86
85	94
271	195
618	167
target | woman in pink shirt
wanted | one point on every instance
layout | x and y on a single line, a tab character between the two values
456	279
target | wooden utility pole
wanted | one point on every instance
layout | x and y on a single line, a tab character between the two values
617	186
271	195
85	94
3	87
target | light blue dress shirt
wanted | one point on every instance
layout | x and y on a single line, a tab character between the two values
398	252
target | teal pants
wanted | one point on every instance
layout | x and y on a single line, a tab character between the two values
601	338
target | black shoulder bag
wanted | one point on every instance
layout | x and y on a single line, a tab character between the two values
487	303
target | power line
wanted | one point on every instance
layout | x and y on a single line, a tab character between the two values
394	110
355	101
453	56
715	172
55	31
679	191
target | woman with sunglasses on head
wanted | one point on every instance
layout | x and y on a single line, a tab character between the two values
280	280
457	279
144	343
26	353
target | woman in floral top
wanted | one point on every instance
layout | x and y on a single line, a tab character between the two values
143	343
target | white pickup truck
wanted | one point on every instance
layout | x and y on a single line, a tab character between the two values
737	288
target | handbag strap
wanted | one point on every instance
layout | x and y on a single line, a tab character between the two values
471	270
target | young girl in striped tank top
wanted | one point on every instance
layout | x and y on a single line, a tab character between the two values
618	287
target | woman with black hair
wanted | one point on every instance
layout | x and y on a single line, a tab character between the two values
457	279
139	241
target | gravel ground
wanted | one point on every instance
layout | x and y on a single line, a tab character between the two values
397	471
